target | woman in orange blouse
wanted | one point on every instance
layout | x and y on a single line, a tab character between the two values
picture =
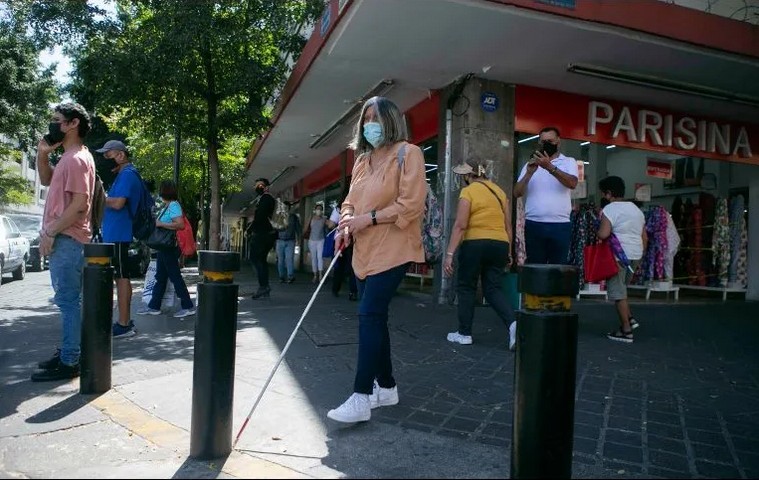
382	217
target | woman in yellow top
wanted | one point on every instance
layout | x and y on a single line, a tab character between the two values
382	217
483	220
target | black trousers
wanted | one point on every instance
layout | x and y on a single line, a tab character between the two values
484	259
261	245
344	268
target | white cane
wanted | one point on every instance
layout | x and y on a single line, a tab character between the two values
287	345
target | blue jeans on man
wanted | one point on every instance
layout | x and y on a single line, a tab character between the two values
66	263
547	242
374	359
286	259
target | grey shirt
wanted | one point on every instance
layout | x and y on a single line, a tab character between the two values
317	228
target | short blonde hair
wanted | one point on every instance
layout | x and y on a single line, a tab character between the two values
391	119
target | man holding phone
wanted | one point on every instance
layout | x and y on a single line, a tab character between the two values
547	181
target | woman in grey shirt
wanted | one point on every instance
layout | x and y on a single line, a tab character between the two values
315	235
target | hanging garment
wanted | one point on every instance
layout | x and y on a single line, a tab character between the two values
695	271
735	213
521	249
673	243
721	242
585	221
654	259
708	204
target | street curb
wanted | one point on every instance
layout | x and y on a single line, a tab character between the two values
161	433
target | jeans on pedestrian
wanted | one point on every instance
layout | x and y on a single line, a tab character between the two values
547	242
316	247
285	258
260	246
66	263
374	359
484	259
167	268
344	268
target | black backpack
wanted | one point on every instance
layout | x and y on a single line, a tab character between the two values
143	221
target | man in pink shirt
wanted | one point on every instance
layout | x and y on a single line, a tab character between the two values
66	228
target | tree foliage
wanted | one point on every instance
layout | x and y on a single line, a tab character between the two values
25	91
206	67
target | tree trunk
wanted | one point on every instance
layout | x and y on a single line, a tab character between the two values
214	240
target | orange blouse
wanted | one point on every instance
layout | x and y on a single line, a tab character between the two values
399	194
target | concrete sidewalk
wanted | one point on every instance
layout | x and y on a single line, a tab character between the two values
680	402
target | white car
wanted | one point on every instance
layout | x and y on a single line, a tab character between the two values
14	249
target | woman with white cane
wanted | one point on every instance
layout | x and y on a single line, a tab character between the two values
382	217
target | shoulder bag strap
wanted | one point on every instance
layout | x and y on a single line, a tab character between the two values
503	207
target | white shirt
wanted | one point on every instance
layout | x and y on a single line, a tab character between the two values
627	223
547	199
335	217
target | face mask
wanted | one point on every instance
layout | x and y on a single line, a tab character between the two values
549	148
54	133
260	189
373	133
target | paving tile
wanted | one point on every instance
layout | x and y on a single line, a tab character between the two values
587	431
709	438
669	419
584	445
623	452
668	460
749	460
712	453
497	441
426	418
624	423
713	470
623	437
589	418
664	430
625	411
671	445
466	425
497	430
743	444
616	467
666	473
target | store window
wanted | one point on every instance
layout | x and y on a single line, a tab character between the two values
429	150
703	203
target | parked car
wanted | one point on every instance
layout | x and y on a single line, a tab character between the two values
30	225
139	258
14	249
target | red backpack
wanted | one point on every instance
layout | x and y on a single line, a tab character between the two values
185	239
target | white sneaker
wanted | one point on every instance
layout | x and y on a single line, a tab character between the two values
456	337
148	311
356	409
184	313
513	336
383	397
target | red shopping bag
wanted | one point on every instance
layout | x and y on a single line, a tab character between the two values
599	262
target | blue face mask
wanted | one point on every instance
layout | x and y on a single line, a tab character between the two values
373	133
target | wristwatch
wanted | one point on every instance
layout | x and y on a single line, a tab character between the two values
374	217
554	169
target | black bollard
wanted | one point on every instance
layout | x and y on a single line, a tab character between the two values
97	312
214	363
544	373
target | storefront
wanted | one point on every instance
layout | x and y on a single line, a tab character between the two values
685	172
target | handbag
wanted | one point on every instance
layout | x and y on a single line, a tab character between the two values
599	263
162	238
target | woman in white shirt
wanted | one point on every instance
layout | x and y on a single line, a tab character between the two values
625	220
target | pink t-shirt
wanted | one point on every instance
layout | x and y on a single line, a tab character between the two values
75	173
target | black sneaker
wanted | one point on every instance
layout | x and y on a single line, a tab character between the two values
52	363
634	323
291	280
352	297
58	372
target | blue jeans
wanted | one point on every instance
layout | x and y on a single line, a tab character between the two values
547	242
167	268
285	258
373	336
66	264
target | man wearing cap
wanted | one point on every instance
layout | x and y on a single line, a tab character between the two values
120	208
264	236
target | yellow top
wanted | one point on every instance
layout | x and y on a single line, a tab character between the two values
486	220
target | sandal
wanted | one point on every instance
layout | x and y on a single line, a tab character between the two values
620	336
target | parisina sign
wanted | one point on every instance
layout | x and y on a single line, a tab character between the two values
680	132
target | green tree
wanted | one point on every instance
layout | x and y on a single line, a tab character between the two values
208	68
25	91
